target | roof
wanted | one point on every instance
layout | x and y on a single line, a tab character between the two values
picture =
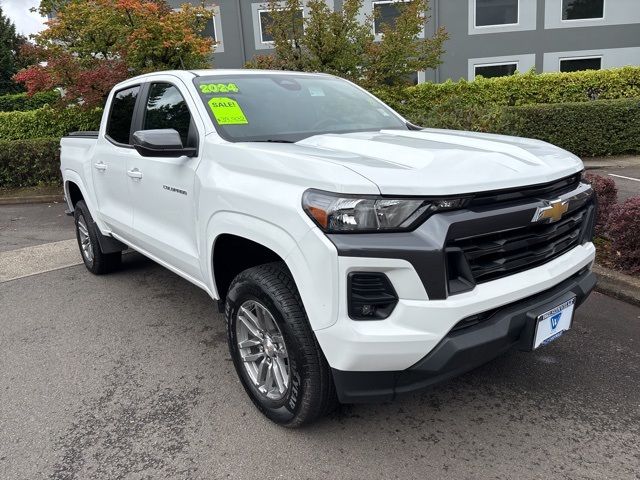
188	75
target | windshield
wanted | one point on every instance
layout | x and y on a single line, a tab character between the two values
288	108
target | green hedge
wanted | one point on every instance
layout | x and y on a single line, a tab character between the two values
47	122
589	113
21	102
602	127
26	163
520	89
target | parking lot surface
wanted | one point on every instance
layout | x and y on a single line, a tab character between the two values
127	376
627	179
36	224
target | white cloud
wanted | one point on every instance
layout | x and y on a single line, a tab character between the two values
25	21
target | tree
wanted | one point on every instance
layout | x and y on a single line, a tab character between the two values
10	43
341	43
91	45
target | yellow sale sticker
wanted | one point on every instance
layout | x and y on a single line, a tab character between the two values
219	88
227	111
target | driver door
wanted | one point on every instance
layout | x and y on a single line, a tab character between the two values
162	189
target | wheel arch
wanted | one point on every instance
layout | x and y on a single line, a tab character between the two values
276	244
234	233
75	190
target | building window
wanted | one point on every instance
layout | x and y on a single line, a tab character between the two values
496	12
265	22
582	9
496	70
210	29
577	64
213	28
385	12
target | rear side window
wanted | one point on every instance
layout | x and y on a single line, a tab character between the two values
122	106
166	108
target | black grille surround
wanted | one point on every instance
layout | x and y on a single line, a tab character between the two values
489	256
545	190
497	255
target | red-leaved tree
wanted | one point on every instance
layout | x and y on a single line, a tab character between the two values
90	45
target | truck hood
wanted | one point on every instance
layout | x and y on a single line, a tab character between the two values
442	162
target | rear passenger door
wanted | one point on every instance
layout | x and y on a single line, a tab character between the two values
109	164
162	191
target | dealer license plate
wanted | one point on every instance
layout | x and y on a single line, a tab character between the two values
552	324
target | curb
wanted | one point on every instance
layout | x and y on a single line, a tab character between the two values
617	284
31	199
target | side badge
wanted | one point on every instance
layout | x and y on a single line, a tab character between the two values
174	189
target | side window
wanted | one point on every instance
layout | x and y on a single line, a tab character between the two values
122	106
166	108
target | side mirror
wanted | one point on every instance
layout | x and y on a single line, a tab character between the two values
164	142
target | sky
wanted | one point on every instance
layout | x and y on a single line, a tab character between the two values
18	11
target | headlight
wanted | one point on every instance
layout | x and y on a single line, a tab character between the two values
336	213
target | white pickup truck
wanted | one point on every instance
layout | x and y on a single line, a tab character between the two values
356	256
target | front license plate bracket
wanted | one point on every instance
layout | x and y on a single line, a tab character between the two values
531	330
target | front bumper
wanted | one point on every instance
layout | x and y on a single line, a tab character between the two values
418	324
466	348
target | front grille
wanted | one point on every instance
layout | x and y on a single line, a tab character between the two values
495	255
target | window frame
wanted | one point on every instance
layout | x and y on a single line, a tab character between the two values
590	19
495	64
266	10
134	116
382	2
218	44
142	108
215	30
586	57
495	25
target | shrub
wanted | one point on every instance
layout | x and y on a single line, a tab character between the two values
589	113
623	228
26	163
607	194
47	122
602	127
20	102
424	100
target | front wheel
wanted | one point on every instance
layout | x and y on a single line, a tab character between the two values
273	348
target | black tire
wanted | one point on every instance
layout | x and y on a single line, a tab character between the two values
311	392
100	263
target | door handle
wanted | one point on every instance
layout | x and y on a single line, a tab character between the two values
100	166
135	174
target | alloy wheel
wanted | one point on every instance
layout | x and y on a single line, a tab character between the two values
262	350
85	240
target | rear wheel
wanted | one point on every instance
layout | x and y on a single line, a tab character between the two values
87	233
273	348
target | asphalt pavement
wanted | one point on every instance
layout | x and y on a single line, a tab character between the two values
127	376
627	180
33	224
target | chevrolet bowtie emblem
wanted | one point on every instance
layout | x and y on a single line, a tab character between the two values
552	212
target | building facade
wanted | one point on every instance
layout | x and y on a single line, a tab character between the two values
487	37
